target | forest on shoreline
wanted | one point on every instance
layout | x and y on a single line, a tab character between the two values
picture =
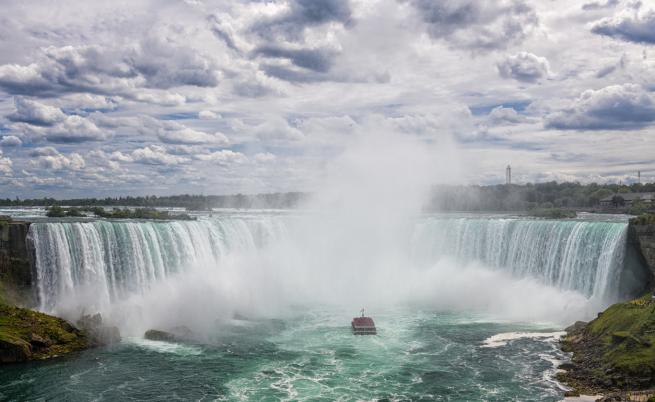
514	197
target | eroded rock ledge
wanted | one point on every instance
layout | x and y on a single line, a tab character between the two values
642	235
16	274
30	335
613	353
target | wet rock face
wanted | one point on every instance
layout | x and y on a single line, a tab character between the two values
14	351
159	335
40	342
98	333
643	237
15	263
175	334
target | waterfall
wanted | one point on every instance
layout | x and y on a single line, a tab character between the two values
113	259
110	260
584	256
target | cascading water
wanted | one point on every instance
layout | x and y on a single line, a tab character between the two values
111	260
584	256
115	259
467	307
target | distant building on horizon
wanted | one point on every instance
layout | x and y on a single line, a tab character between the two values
628	199
508	175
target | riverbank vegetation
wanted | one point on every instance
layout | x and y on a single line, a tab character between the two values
55	211
30	335
615	351
644	219
190	202
526	197
138	213
514	197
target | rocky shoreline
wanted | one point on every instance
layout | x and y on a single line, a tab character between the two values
27	335
614	354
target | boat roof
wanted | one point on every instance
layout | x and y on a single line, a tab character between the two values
363	322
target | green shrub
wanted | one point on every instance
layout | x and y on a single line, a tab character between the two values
552	213
75	212
139	213
55	211
644	219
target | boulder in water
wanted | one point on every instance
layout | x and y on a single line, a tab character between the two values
159	335
98	333
176	334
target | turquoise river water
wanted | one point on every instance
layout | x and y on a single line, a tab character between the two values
417	355
468	308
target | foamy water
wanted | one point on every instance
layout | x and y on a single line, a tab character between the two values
504	338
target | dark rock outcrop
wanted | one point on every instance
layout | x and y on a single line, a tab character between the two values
175	334
642	237
98	333
159	335
30	335
16	276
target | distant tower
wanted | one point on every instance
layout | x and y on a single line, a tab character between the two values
508	175
639	176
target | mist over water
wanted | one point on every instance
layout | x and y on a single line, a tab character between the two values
361	241
467	307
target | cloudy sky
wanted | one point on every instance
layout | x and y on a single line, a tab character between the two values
161	97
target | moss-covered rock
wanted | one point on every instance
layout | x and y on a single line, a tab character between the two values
30	335
615	351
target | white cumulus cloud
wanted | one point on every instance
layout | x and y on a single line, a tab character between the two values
524	66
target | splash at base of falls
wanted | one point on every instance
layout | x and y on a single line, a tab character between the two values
166	273
269	298
110	261
309	356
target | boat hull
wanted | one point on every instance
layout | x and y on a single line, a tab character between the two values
363	326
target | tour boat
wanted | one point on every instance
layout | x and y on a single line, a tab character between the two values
363	325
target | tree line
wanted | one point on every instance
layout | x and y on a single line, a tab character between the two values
514	197
526	197
188	201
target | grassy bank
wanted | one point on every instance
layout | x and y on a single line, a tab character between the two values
615	351
30	335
